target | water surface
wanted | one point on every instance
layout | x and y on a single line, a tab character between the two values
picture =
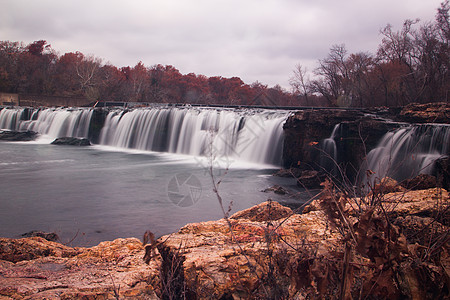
94	193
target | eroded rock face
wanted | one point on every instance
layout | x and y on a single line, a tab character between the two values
305	130
426	113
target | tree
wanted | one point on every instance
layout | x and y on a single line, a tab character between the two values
333	76
361	87
299	82
87	70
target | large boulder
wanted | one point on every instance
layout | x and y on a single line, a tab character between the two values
71	141
49	236
18	136
420	182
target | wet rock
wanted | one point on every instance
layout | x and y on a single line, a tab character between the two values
288	173
71	141
18	136
276	189
420	182
305	130
49	236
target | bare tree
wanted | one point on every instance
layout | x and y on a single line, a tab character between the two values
87	71
300	82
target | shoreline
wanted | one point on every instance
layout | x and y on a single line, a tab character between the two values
204	260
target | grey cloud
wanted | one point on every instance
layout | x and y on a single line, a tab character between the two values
253	39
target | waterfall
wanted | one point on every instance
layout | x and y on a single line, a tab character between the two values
409	151
53	122
245	135
328	154
10	119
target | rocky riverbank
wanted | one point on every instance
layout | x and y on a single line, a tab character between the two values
356	133
335	247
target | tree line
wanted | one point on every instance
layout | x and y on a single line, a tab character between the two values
411	65
37	69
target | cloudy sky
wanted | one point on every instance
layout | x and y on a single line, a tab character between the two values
256	40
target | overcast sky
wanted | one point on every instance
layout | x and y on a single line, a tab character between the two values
256	40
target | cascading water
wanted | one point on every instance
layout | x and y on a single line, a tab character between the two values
247	135
408	151
52	122
10	119
328	155
244	135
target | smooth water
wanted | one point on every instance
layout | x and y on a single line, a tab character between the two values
408	151
94	194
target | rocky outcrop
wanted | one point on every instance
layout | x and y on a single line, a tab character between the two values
425	113
18	136
71	141
97	121
49	236
34	268
229	259
265	251
304	132
359	132
269	252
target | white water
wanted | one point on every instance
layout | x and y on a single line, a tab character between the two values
408	151
243	135
10	118
329	155
52	122
247	135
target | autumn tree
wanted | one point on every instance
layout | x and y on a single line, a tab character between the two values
9	61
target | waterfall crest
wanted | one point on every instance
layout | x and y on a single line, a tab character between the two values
247	135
